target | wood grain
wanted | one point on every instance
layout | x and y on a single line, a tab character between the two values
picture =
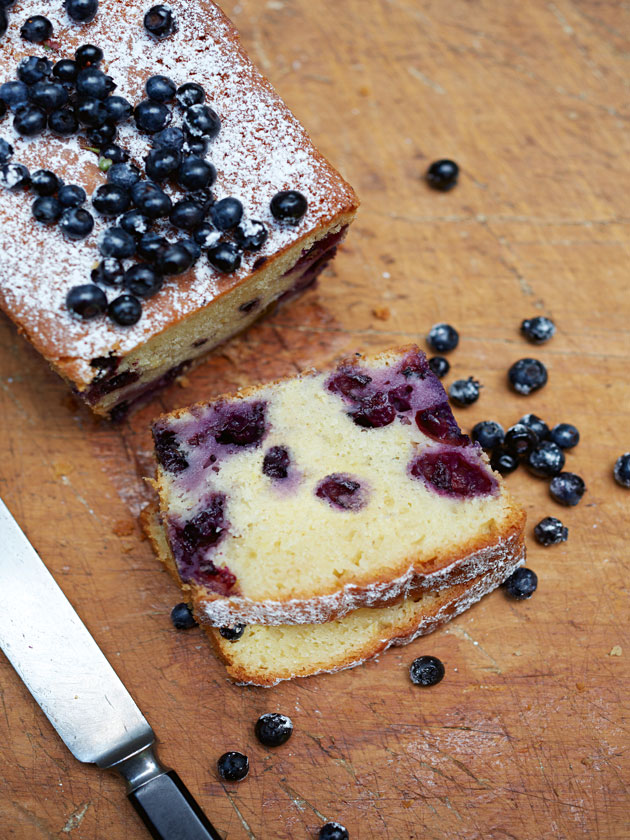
527	736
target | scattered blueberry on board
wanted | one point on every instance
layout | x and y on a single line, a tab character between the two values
550	531
621	470
488	434
567	488
182	617
464	392
440	366
442	338
520	440
442	175
273	730
233	766
426	671
503	461
538	330
527	376
521	584
565	435
536	425
546	459
333	831
232	634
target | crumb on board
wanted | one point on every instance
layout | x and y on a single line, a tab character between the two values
61	468
382	313
616	651
124	527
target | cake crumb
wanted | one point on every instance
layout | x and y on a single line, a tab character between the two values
580	686
124	527
62	468
381	312
616	651
183	381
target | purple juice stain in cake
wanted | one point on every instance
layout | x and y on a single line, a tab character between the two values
168	452
276	462
415	366
439	424
342	491
400	398
450	473
242	424
374	411
349	382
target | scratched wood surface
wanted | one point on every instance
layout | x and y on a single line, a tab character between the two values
527	736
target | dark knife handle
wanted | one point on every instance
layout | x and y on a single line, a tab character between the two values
169	811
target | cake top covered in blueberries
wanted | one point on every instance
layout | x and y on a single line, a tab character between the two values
323	482
146	167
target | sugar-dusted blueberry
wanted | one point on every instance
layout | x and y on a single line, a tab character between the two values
151	116
6	151
134	223
450	473
66	71
439	424
160	163
342	491
273	729
109	272
115	153
195	146
225	257
63	122
88	55
503	461
125	310
44	182
442	174
3	108
521	584
151	246
175	259
142	280
536	425
33	69
71	195
4	21
206	236
426	671
192	247
159	22
233	766
527	376
333	831
36	29
546	459
440	366
488	434
232	634
76	223
621	470
86	301
14	95
187	214
202	121
565	435
111	199
567	488
81	11
160	88
171	137
118	109
101	136
154	203
520	440
30	121
47	210
14	176
288	206
189	94
116	242
538	330
91	112
123	175
250	234
243	425
168	450
374	411
550	531
442	338
93	82
276	462
464	391
226	213
182	617
48	96
196	174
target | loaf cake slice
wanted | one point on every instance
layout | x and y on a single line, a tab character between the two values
258	150
264	655
303	500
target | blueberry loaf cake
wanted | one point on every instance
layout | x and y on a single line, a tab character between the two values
263	654
156	195
303	500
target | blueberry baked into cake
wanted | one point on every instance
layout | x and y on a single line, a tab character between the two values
156	195
324	497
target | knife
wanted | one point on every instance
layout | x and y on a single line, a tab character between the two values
79	692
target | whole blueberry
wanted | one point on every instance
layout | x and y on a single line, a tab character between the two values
488	434
273	730
550	531
333	831
142	280
114	153
116	242
442	175
44	182
160	88
71	195
101	136
14	94
426	671
33	69
195	146
88	55
118	109
154	203
36	29
288	206
63	122
232	634
464	391
536	425
503	461
226	213
134	223
206	236
93	82
6	151
87	301
202	121
250	235
440	366
29	121
182	617
442	338
567	488
48	96
81	11
159	21
91	112
538	330
162	162
520	440
47	210
151	116
171	137
196	174
111	199
125	310
521	584
565	435
14	176
233	766
4	21
190	94
151	246
225	257
3	108
546	459
191	246
187	214
76	223
527	376
621	470
66	71
123	175
176	259
109	272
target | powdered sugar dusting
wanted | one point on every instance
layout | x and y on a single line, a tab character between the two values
260	150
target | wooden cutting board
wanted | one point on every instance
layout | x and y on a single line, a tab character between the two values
527	736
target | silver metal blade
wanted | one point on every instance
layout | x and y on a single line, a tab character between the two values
58	660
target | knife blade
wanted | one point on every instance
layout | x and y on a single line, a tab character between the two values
79	692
